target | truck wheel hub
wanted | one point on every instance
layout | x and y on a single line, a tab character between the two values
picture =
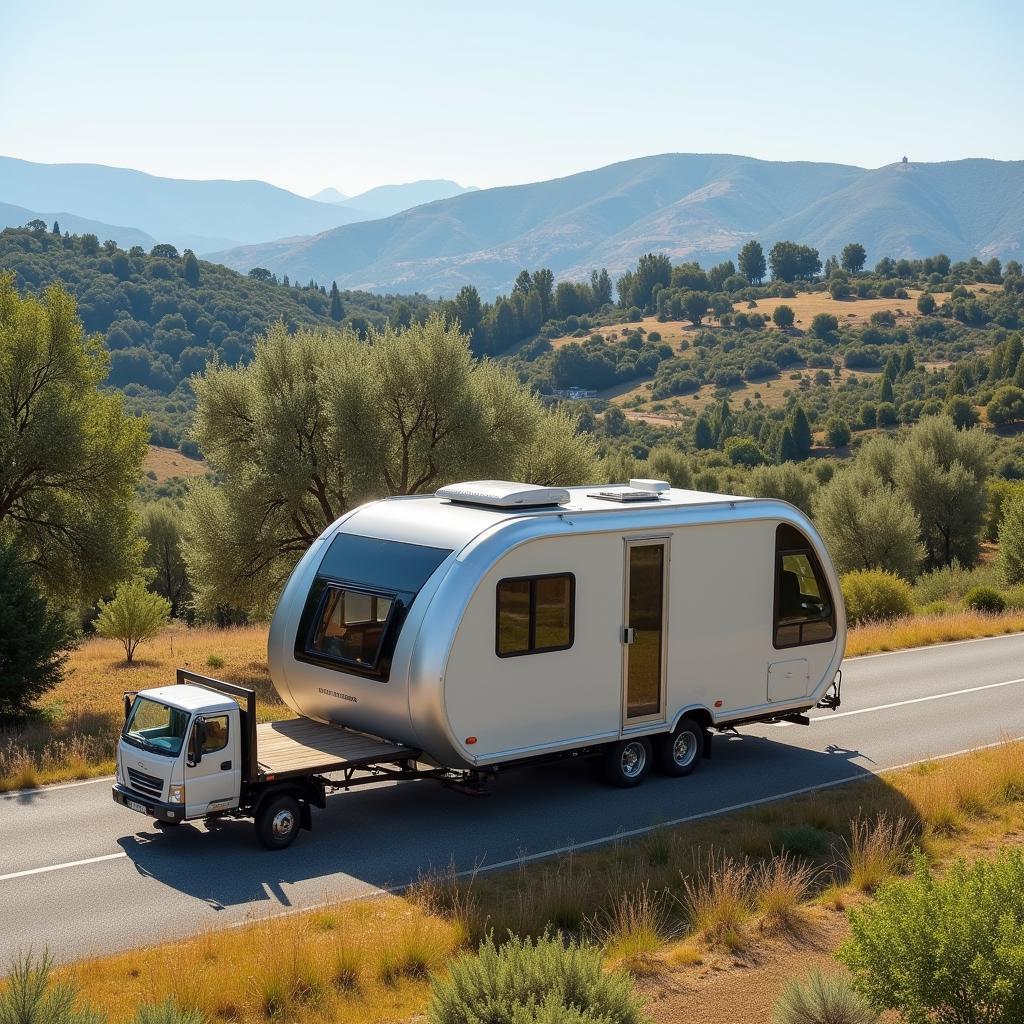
684	748
634	757
283	823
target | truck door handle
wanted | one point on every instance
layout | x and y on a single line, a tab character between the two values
225	766
628	634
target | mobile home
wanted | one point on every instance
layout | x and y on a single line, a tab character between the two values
495	623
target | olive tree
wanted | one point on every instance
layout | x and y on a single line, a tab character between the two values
320	422
868	524
70	456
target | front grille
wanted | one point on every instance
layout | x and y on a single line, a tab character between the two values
148	785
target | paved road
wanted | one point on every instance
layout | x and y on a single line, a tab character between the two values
82	875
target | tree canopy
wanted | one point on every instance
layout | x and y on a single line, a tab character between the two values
321	421
69	454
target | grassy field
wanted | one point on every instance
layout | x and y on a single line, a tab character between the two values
679	909
76	733
162	464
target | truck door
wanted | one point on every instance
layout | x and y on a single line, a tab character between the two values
213	764
644	634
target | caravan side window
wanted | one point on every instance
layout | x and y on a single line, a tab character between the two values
803	604
535	614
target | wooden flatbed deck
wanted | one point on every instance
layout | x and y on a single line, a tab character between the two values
299	746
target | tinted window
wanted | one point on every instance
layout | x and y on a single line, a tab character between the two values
380	564
351	626
535	614
803	604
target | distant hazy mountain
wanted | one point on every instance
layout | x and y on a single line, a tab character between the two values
200	215
18	217
329	195
687	205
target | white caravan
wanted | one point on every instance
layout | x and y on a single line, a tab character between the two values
497	623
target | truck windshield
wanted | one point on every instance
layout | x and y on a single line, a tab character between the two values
155	726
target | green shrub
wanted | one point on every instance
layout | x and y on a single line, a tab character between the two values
985	599
133	616
872	595
27	996
822	999
1011	540
944	949
214	661
803	840
167	1012
935	608
951	582
523	981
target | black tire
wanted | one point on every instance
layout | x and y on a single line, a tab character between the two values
678	753
278	821
628	762
162	823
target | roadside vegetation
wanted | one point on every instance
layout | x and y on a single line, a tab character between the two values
663	912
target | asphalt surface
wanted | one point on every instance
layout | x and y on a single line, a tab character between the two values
81	875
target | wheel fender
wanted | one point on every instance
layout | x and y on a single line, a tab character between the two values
305	794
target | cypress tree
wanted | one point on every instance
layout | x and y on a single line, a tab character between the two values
787	447
190	268
908	360
885	393
800	433
703	436
56	229
337	309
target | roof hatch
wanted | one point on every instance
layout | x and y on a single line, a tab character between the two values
503	494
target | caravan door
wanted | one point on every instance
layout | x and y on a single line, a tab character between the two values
644	639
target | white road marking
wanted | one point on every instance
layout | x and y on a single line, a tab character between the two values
61	867
11	794
915	700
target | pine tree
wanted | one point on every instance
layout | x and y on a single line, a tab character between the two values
56	229
787	447
337	309
907	364
723	424
1018	374
885	393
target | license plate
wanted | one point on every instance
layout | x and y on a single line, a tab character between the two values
135	806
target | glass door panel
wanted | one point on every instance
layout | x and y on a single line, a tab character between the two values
645	621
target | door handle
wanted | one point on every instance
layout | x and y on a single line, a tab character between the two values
628	634
225	766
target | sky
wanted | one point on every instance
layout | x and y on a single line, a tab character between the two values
355	95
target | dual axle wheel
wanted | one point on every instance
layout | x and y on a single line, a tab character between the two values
629	762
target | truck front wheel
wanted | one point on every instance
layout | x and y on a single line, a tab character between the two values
277	821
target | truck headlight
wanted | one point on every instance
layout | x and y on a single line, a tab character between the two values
176	794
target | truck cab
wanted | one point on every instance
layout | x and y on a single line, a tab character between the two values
180	753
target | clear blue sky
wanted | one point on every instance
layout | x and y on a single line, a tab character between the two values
315	93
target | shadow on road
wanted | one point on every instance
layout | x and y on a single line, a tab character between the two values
385	836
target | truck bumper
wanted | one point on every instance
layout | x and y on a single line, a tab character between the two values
146	805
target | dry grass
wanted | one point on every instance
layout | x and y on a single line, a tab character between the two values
369	960
922	630
75	735
166	463
362	962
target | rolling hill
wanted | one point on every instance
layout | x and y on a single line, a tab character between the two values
199	215
18	217
689	206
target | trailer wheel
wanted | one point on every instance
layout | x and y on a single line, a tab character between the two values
678	753
278	821
628	762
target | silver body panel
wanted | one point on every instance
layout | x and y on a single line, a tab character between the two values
445	677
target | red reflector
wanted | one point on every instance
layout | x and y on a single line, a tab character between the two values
269	778
471	739
718	703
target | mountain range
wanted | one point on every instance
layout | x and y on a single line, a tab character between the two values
690	206
199	215
436	236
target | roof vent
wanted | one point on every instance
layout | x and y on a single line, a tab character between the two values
626	495
650	485
503	494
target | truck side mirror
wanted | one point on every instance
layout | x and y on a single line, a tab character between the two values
129	700
196	740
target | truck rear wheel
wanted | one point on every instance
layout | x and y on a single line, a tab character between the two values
628	762
679	752
278	821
